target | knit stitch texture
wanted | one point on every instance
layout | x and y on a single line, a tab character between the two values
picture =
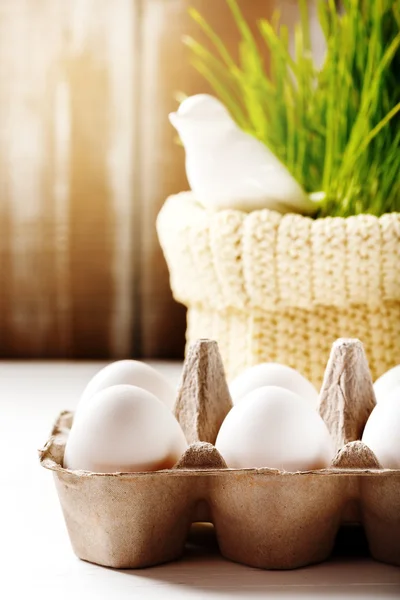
283	288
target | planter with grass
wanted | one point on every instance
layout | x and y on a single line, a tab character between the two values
276	284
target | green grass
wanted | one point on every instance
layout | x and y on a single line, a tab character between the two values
336	127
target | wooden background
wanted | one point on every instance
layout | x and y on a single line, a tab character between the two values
87	157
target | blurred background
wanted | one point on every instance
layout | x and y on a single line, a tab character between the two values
87	158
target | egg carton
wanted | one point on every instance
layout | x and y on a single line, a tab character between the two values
264	518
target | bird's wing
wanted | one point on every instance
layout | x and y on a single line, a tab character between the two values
259	172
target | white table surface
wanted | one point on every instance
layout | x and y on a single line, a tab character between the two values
36	559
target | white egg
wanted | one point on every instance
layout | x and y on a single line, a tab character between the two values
272	374
382	431
387	382
130	372
275	428
122	429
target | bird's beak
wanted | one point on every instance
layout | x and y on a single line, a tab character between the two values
174	119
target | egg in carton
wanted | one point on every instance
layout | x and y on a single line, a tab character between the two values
263	517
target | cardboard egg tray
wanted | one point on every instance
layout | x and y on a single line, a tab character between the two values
262	517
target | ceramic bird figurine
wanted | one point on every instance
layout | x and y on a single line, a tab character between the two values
227	167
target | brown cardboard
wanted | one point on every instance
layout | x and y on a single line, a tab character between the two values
347	394
263	517
203	399
355	455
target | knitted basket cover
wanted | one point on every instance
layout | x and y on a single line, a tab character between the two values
283	288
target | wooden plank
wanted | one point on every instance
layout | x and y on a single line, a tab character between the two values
67	164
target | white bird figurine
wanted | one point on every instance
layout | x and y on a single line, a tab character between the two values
227	167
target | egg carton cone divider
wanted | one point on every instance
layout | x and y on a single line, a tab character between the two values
264	518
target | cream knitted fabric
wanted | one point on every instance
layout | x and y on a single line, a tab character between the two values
271	287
